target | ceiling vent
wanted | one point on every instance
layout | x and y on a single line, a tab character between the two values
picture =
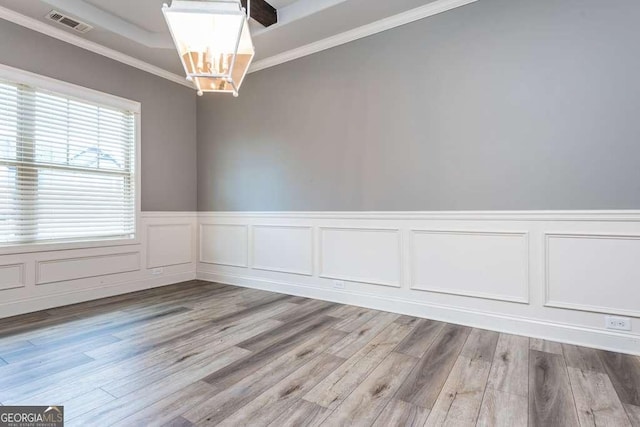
67	21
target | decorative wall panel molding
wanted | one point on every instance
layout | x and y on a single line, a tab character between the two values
12	276
365	255
593	272
480	264
224	244
169	244
60	270
294	249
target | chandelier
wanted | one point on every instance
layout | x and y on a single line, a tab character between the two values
213	41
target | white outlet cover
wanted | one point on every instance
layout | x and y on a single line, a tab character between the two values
338	284
618	323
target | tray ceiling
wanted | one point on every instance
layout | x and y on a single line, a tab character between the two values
137	28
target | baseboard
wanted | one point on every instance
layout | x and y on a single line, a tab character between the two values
560	332
30	305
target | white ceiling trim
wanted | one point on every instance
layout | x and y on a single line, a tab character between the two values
84	11
41	27
394	21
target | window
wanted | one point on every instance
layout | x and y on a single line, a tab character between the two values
67	164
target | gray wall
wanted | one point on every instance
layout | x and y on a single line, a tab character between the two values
169	181
502	104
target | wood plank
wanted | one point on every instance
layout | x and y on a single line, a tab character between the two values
250	364
123	323
340	383
624	371
546	346
596	400
510	368
400	413
182	322
117	376
53	350
421	338
585	359
10	345
63	327
183	361
633	412
550	397
302	413
166	410
481	345
235	396
271	404
106	372
293	327
174	338
503	409
299	300
357	339
425	382
304	309
9	323
178	422
357	319
84	403
459	402
344	311
367	401
19	373
61	385
407	320
124	407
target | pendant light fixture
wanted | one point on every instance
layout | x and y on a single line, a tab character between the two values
213	41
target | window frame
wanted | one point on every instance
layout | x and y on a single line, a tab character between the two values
81	94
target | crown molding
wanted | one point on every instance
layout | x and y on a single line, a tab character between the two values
434	8
57	33
394	21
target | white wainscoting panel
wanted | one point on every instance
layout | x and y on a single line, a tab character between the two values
12	276
224	244
593	272
361	255
480	264
42	278
545	274
285	249
169	244
60	270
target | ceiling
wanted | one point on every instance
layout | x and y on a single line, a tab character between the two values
137	28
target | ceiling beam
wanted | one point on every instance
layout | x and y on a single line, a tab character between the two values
262	12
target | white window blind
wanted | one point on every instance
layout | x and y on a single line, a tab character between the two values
66	168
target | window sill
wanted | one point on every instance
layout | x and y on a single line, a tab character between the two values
64	246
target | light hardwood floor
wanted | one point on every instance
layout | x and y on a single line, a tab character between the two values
199	353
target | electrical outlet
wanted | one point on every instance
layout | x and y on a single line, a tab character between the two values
619	323
156	271
338	284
